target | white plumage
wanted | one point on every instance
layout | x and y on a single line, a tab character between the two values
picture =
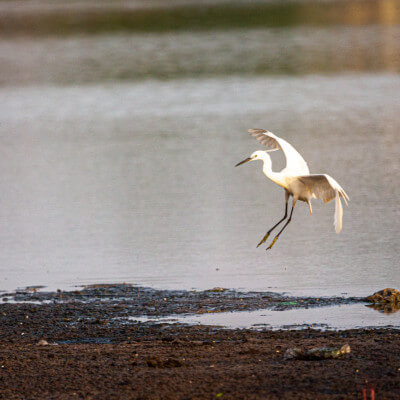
296	179
295	163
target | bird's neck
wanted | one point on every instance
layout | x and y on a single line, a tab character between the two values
274	176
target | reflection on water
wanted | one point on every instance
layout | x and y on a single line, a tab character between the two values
110	174
387	308
349	316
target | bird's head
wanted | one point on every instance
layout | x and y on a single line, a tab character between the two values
257	155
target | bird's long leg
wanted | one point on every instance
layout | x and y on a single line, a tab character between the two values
284	226
284	217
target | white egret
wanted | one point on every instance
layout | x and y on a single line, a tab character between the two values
295	178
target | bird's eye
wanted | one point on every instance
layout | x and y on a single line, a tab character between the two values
255	156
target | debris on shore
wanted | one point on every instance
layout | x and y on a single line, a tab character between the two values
317	353
385	296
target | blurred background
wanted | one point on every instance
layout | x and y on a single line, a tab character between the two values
121	121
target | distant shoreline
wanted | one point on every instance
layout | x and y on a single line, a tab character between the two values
49	18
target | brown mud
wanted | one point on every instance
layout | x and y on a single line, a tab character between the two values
81	345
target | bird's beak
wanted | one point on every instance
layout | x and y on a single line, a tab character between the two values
244	161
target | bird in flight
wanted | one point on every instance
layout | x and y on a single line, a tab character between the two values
296	179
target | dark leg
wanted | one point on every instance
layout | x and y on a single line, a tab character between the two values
284	226
284	217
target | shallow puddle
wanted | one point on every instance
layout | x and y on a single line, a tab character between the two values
347	316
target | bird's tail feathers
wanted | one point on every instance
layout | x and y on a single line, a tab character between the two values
338	213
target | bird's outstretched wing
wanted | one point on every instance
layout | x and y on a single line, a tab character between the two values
295	163
323	187
326	188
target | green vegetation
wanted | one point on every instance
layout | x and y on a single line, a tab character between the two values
88	19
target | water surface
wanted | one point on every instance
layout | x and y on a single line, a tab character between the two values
349	316
117	152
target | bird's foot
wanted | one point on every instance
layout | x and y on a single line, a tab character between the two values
272	243
263	239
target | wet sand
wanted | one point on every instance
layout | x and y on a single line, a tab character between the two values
94	352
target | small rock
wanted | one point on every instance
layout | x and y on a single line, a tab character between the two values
156	362
218	289
42	342
317	353
173	363
387	295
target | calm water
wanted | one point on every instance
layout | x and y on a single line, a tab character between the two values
349	316
117	150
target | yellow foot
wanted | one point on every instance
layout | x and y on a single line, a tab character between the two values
272	243
263	239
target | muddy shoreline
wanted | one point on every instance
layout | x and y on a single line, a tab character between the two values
81	344
138	300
